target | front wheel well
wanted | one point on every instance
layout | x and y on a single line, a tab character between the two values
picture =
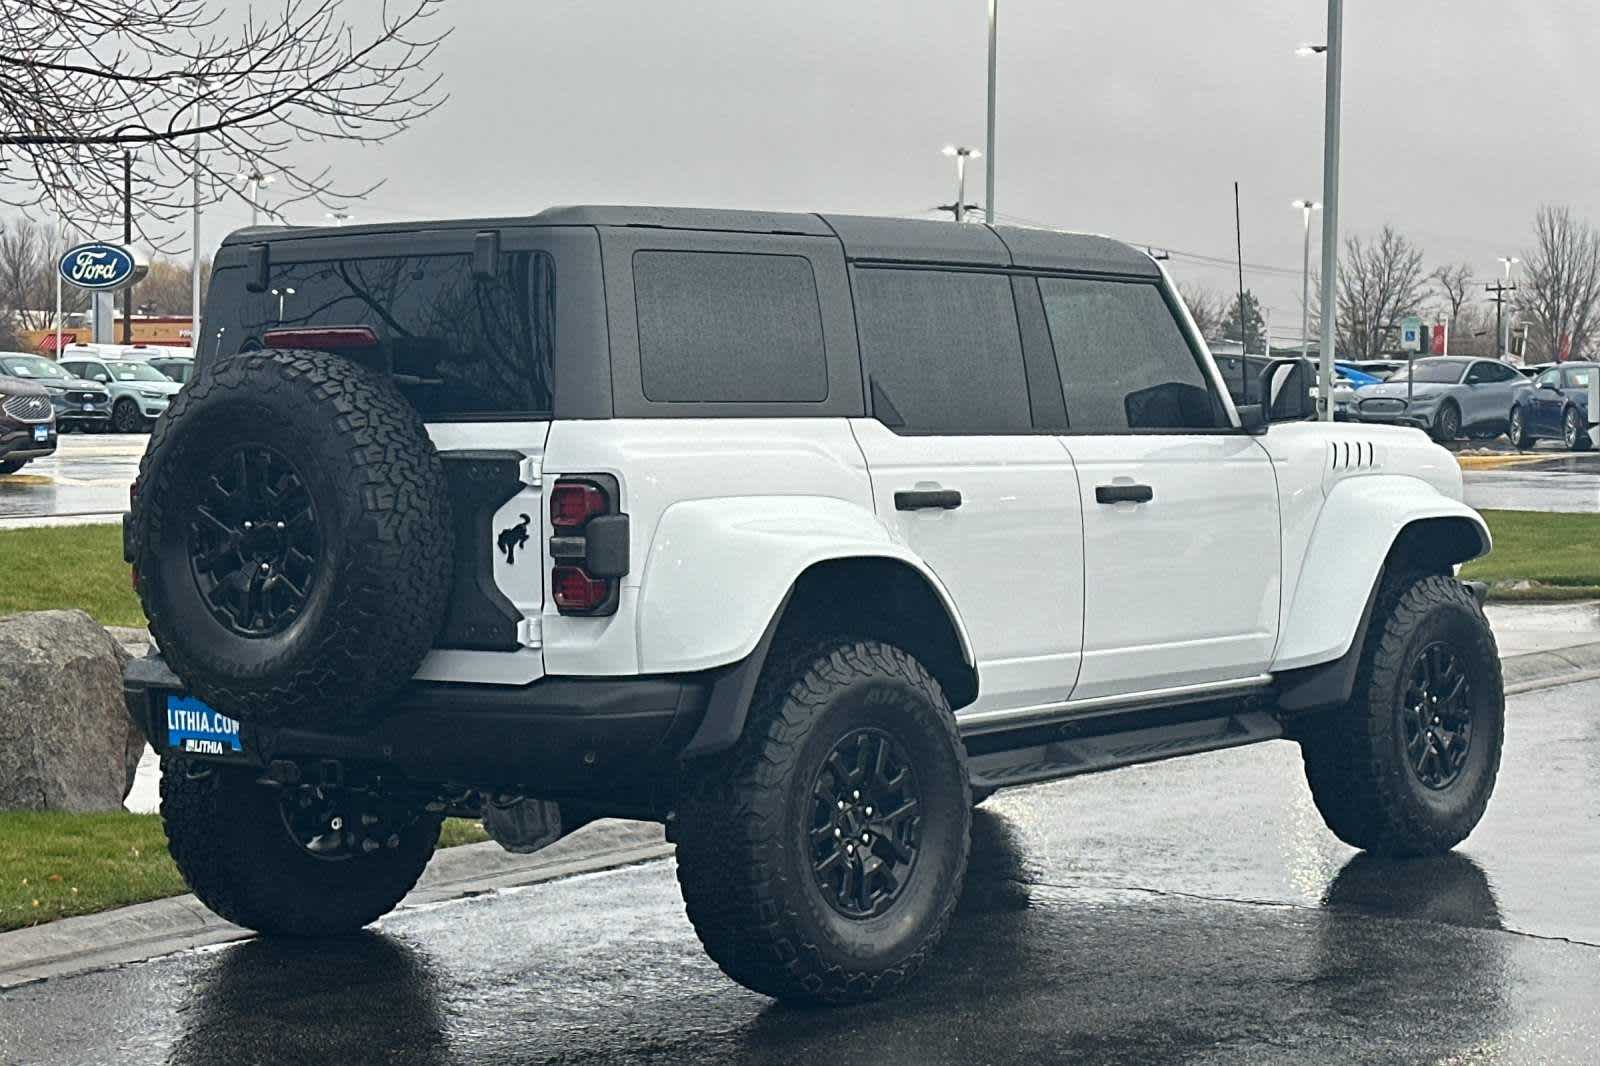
884	599
1435	545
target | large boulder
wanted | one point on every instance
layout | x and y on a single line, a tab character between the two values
65	741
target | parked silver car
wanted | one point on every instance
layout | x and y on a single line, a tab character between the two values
1444	395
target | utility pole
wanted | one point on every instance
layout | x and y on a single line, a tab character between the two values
1499	292
988	174
127	241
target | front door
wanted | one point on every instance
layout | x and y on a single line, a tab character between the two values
963	478
1180	512
1547	404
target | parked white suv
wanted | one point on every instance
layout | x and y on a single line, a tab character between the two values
799	533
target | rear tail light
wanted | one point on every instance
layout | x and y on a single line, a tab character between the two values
573	503
588	545
574	590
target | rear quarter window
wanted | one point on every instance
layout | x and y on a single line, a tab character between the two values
728	327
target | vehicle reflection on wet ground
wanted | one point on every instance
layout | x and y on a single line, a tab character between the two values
1191	911
88	475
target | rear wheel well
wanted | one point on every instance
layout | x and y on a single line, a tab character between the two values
883	599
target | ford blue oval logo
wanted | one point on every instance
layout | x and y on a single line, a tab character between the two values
99	266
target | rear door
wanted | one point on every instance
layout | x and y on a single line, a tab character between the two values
1180	511
964	475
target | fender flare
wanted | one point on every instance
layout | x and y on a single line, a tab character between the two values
1360	522
753	549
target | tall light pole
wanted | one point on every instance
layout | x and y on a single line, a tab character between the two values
961	153
1306	207
1334	52
988	144
1502	338
257	181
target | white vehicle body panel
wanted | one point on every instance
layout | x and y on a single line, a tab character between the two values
1181	590
1011	554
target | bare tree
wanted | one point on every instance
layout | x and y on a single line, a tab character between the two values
165	290
1560	289
1380	282
1204	305
1455	283
181	82
28	277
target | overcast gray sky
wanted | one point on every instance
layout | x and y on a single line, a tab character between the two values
1131	119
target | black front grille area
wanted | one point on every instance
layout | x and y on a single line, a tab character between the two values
87	397
27	408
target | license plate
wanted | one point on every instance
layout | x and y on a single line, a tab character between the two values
195	729
88	407
41	433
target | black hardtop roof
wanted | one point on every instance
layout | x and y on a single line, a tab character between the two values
864	237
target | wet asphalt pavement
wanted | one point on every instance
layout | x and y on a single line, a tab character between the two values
88	475
1190	911
1562	482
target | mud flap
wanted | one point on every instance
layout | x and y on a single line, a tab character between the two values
523	826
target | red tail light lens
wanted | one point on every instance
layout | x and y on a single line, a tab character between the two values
575	590
327	339
572	503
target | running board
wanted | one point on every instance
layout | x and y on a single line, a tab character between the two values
1091	754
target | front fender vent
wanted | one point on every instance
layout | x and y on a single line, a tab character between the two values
1350	455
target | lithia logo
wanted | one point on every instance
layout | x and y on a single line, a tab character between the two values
100	266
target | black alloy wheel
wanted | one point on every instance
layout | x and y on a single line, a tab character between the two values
1516	431
1448	424
864	824
126	417
1436	714
254	542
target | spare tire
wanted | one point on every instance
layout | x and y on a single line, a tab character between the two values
291	537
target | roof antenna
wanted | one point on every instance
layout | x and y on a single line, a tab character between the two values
1244	333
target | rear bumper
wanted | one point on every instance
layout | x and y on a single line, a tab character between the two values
616	738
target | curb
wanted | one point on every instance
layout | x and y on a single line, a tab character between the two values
161	927
1545	669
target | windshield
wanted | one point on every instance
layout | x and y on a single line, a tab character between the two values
32	366
135	372
1432	372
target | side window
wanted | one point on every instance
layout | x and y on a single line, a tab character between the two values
1576	379
1480	373
729	327
1125	364
1506	373
943	351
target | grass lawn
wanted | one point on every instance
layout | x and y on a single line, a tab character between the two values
68	566
58	865
1558	553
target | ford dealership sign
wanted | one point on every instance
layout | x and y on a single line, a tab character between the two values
102	267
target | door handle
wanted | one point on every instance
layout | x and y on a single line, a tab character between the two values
927	500
1123	494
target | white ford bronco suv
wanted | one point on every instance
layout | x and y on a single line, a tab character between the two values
798	533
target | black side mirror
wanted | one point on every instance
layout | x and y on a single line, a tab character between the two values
1285	391
1252	418
1552	386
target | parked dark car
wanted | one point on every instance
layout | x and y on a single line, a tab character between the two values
176	367
78	404
27	424
1557	407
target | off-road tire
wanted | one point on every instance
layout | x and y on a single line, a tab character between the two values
11	466
1574	434
229	840
1517	430
126	416
1447	423
745	849
1355	756
377	595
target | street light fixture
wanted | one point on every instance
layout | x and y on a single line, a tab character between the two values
257	181
282	294
1333	50
961	153
1306	207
